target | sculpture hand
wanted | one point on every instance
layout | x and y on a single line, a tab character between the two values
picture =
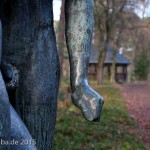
88	101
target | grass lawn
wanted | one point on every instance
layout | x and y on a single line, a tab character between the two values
115	131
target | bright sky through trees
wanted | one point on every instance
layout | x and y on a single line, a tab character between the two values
56	9
139	11
143	12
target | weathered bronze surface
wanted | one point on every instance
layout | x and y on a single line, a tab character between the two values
79	29
30	68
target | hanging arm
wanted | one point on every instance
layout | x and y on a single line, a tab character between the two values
79	29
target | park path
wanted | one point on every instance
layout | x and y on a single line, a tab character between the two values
138	103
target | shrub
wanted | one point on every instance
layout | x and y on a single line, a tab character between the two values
142	66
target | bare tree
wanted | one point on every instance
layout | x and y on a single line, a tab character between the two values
61	33
110	21
107	15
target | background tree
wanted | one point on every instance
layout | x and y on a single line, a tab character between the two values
142	66
61	33
108	24
112	19
102	27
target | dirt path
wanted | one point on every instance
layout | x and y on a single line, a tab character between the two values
138	103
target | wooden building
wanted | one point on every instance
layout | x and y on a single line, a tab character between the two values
121	64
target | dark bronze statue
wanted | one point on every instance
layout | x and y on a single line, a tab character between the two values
30	70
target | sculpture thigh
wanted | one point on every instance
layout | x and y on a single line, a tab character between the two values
29	44
5	126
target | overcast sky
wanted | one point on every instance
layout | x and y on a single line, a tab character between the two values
140	10
56	9
57	6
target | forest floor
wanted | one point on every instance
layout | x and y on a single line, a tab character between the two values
138	103
117	130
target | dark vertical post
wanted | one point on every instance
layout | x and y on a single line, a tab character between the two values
125	72
116	74
109	71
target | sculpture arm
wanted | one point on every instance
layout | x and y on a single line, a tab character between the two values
79	29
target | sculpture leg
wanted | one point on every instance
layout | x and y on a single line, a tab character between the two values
79	28
29	43
11	127
4	107
5	125
20	136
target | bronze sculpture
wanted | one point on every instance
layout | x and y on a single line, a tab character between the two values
29	45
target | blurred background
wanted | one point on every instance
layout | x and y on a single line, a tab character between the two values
119	70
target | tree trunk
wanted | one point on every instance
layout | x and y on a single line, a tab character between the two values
61	36
113	67
102	54
113	70
100	73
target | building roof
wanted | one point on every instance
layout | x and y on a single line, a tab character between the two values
119	59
